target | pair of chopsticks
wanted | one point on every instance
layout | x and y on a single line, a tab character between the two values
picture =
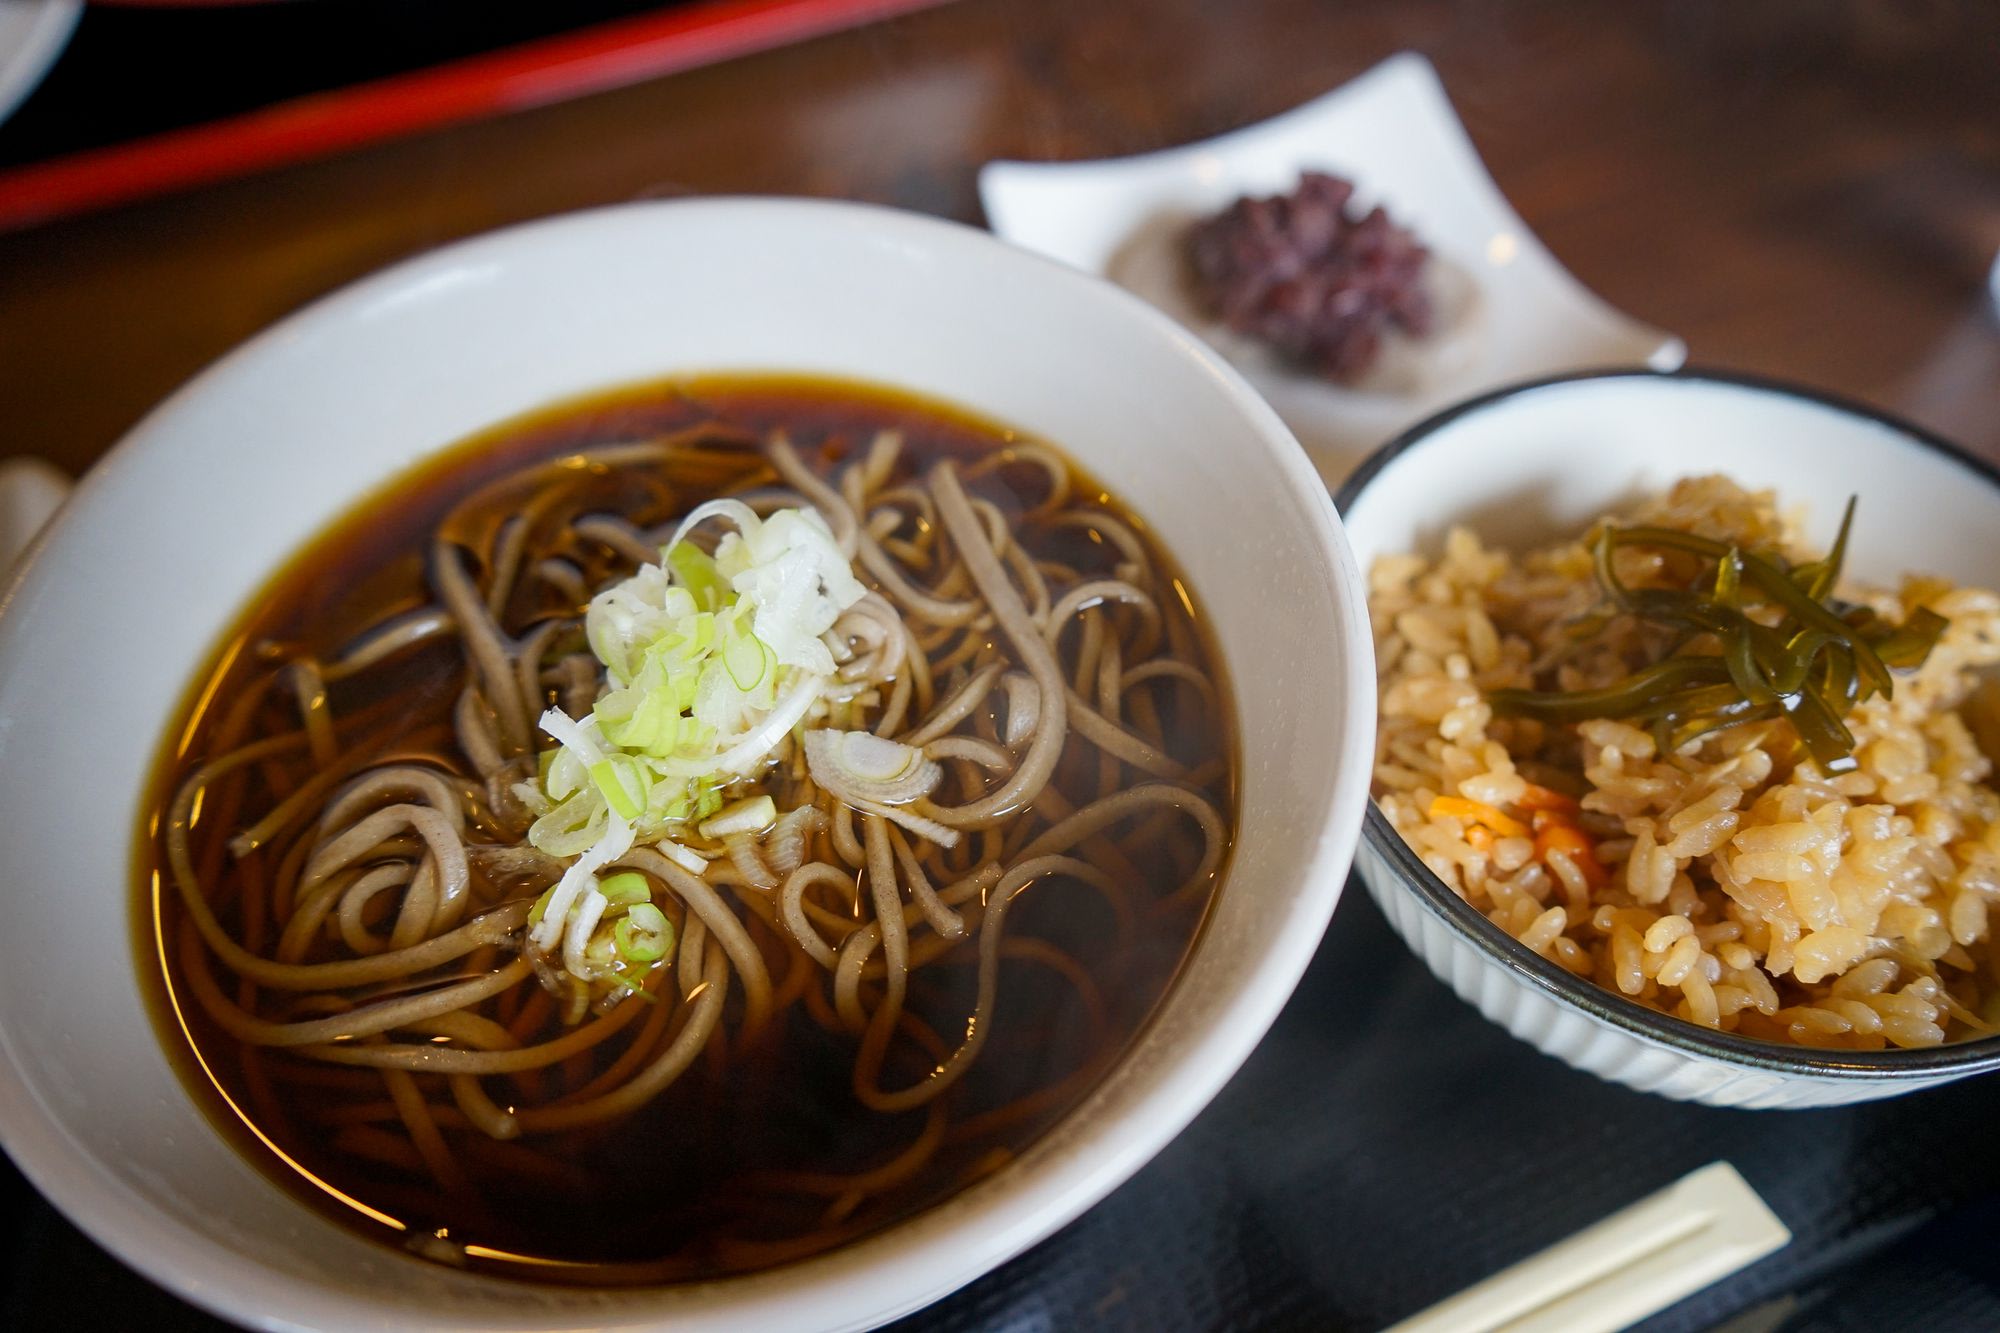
595	59
1636	1262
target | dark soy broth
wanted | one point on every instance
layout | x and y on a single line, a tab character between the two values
760	1152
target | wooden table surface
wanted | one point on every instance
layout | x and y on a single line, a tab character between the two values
1806	189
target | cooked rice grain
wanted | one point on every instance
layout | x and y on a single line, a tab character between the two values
1741	888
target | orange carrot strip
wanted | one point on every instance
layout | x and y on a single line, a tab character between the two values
1457	807
1577	846
1480	837
1537	797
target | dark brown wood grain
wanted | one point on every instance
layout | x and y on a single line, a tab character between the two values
1800	188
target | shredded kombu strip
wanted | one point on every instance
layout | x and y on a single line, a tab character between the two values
1820	658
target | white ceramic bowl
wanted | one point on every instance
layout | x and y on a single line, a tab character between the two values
32	34
1528	463
162	544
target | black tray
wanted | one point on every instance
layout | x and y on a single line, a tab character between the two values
1384	1147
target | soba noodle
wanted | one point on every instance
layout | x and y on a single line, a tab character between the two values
355	909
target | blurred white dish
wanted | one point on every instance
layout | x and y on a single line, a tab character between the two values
32	34
1509	310
31	490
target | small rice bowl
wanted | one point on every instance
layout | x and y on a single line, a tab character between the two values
1732	883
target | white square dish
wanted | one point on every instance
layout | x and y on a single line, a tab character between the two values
1392	132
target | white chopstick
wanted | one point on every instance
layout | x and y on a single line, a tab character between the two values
1635	1262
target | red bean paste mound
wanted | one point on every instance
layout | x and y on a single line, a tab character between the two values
1304	275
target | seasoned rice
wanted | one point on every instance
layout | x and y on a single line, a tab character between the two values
1732	884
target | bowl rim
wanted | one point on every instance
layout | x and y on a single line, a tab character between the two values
1608	1007
1029	1206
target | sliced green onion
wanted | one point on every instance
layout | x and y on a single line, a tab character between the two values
746	658
694	569
625	889
649	722
634	984
643	934
752	815
610	777
541	906
708	663
684	857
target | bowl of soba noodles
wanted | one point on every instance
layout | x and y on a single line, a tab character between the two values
726	763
